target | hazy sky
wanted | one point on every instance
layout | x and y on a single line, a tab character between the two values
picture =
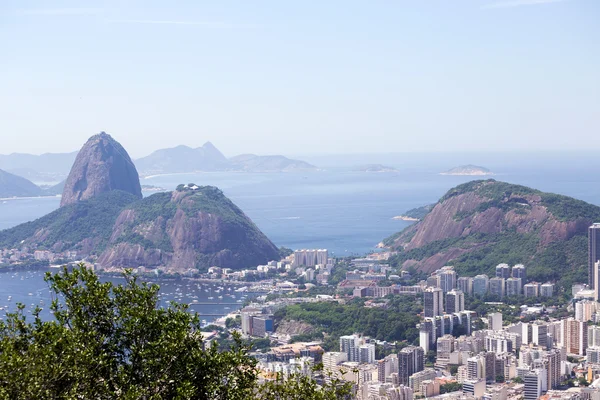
301	77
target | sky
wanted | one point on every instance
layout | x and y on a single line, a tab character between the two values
301	77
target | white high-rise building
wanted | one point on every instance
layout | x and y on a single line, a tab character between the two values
433	299
497	287
455	301
519	271
593	355
480	285
415	380
531	289
331	360
386	367
366	353
547	290
539	334
475	388
594	336
476	367
350	345
447	279
310	258
465	283
424	339
575	336
399	393
534	384
513	286
503	271
585	309
495	321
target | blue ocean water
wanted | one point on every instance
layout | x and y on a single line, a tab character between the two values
350	212
211	300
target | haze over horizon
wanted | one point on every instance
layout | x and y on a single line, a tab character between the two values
293	79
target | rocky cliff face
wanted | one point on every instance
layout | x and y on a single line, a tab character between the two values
476	214
188	228
101	165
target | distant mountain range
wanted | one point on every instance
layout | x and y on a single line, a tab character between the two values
52	168
182	159
16	186
49	167
209	158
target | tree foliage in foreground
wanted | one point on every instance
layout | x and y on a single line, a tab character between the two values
113	341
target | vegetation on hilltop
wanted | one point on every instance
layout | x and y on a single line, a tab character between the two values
331	320
419	212
222	234
211	200
563	260
505	196
71	224
109	342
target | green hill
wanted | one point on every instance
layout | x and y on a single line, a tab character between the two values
479	224
77	226
16	186
192	227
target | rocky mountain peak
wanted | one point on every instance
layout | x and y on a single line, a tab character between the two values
102	165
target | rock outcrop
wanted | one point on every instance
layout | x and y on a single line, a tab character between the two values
479	214
101	165
191	227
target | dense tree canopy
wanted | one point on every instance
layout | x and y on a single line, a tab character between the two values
113	341
395	322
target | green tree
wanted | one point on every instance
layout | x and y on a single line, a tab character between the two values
231	323
450	387
113	341
583	382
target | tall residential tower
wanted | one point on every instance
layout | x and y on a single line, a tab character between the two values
593	252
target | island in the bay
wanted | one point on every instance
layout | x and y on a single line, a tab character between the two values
374	168
468	170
